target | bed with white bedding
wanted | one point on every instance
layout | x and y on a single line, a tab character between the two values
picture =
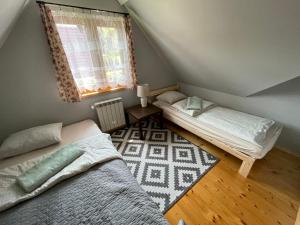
246	136
96	188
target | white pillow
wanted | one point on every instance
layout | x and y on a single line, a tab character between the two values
30	139
171	97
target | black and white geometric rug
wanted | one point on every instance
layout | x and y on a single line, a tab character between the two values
165	164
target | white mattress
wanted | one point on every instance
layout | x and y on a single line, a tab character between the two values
70	134
229	134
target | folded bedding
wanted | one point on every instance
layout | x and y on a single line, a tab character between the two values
194	103
105	194
181	106
39	173
97	149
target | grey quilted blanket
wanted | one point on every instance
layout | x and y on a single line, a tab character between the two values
106	194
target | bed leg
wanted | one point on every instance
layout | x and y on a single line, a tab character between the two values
246	167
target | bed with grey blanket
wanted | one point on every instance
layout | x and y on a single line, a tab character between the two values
105	194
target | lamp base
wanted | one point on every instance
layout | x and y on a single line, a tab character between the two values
144	102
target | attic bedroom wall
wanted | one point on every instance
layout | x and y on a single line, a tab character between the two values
281	103
28	90
236	47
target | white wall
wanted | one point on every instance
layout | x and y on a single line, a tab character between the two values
28	91
9	14
281	103
232	46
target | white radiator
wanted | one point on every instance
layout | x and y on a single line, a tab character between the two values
110	114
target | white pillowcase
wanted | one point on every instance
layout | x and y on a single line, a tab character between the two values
30	139
171	97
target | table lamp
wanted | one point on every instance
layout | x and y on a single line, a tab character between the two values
142	92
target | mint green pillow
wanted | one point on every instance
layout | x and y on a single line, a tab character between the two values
48	167
194	103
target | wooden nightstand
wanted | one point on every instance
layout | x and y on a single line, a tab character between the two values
139	114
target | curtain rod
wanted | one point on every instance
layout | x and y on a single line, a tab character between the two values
79	7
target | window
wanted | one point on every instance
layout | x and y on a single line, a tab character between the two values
97	48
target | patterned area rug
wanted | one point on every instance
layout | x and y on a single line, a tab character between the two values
165	164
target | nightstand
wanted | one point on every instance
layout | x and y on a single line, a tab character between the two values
139	114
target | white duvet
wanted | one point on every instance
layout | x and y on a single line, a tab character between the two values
98	149
248	127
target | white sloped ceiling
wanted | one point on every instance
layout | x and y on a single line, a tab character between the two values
233	46
9	13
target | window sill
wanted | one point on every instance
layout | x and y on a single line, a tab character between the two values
91	94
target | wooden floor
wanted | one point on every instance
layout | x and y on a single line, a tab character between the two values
270	195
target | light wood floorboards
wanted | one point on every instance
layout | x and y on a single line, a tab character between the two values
270	195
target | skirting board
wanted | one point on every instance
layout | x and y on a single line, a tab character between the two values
296	154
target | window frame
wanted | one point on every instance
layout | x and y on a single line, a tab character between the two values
89	31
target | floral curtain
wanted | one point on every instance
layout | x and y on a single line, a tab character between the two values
99	48
66	84
129	34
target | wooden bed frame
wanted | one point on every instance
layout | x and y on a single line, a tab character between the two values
248	161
